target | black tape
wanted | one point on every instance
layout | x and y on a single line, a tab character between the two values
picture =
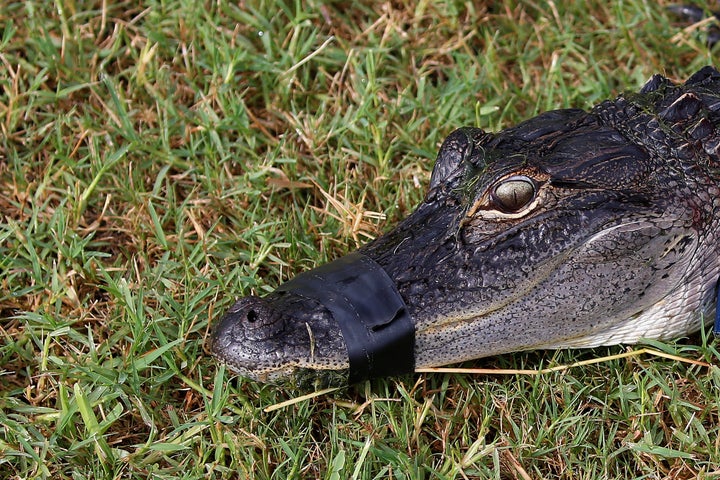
372	316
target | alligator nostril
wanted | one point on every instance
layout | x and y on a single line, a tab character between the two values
252	316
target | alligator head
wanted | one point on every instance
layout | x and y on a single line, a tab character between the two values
572	229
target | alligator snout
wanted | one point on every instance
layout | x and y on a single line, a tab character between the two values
270	338
353	296
248	332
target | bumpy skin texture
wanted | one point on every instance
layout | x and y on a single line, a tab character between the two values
572	229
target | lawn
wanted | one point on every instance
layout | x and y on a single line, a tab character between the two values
157	161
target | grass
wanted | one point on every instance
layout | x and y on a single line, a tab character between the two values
157	161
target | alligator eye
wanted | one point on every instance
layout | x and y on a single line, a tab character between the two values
514	193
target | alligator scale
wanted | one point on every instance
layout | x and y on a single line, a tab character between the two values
572	229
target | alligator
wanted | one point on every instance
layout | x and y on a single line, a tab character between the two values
572	229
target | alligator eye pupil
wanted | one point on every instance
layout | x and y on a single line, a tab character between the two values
514	193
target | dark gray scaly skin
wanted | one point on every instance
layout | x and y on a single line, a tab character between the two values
572	229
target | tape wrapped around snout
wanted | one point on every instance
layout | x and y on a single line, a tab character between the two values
373	318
